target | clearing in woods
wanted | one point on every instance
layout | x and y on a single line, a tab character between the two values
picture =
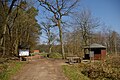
43	69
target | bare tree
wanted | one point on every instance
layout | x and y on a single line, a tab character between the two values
51	37
59	8
110	39
73	43
86	24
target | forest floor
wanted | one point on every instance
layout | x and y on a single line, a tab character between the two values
42	69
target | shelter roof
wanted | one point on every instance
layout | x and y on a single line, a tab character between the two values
95	46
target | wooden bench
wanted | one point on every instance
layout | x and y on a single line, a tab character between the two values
72	59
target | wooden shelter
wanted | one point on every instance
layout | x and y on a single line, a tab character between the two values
95	52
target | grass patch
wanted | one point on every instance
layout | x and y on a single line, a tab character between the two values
55	55
51	55
43	54
9	69
33	54
73	73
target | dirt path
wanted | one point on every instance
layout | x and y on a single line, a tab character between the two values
43	69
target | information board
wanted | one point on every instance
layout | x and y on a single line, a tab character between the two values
23	52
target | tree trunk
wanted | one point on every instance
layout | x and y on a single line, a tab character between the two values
16	44
50	49
16	48
50	46
115	42
61	39
2	41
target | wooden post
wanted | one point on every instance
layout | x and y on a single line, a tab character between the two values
20	58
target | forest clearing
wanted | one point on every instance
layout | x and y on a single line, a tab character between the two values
43	68
59	40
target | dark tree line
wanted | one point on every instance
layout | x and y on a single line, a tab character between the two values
18	27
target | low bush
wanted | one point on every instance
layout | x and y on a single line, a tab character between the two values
33	54
43	54
3	60
55	55
108	70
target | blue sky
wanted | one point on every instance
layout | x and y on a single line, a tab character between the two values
108	11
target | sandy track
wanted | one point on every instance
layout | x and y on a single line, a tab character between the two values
43	69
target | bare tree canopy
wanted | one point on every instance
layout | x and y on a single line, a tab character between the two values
59	8
86	24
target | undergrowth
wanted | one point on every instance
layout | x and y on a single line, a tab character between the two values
9	69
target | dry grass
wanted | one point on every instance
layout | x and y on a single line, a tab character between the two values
108	70
10	68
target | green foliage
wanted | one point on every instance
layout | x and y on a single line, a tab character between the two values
55	55
43	54
20	28
9	69
51	55
33	54
73	73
